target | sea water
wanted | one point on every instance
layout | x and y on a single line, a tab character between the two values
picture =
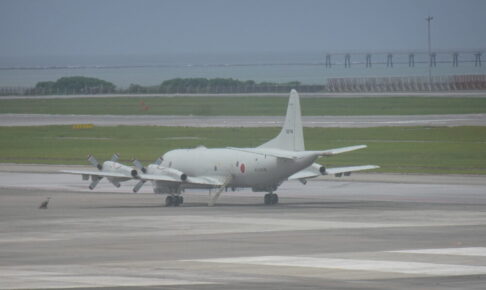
151	70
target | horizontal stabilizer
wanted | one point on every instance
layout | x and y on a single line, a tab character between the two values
316	170
309	172
338	170
335	151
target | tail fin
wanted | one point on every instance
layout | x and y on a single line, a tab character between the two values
291	137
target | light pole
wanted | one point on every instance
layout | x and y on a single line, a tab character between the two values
428	19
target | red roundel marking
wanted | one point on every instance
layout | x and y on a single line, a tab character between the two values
242	168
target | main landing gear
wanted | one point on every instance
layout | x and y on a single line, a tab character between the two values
174	200
270	198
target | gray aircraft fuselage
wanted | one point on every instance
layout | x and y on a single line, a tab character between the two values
258	171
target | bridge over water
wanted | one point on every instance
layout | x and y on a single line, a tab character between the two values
407	57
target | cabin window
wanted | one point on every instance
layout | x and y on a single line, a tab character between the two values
170	164
215	168
237	163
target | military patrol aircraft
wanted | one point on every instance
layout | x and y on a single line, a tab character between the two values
263	168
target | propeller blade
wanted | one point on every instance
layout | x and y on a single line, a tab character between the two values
138	186
95	162
115	157
159	161
139	165
95	180
115	183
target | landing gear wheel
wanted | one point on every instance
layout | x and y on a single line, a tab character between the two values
266	199
274	198
270	199
169	201
173	200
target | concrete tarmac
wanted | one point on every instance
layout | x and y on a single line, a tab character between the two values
370	231
244	121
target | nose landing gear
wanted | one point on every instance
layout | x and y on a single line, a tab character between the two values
270	198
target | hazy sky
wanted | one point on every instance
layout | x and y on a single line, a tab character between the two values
68	27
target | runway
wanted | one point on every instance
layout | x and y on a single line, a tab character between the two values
244	121
370	231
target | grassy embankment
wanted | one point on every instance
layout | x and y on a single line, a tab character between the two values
407	149
250	106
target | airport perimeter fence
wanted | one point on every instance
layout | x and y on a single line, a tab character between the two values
22	91
368	84
407	84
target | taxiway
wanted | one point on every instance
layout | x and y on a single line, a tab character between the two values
371	231
244	121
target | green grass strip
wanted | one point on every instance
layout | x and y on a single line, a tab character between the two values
458	150
246	106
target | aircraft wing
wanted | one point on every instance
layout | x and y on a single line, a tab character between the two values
309	172
158	177
314	171
215	181
335	151
97	173
270	152
297	154
191	180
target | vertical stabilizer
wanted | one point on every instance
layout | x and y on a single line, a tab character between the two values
291	137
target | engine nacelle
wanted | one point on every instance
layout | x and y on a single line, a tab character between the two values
157	169
134	173
322	170
115	167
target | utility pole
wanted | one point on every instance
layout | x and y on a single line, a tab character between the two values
428	19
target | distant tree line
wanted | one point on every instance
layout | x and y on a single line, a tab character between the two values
220	85
87	85
75	85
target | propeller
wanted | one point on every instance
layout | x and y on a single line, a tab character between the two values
142	168
115	157
139	185
95	162
96	179
139	165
